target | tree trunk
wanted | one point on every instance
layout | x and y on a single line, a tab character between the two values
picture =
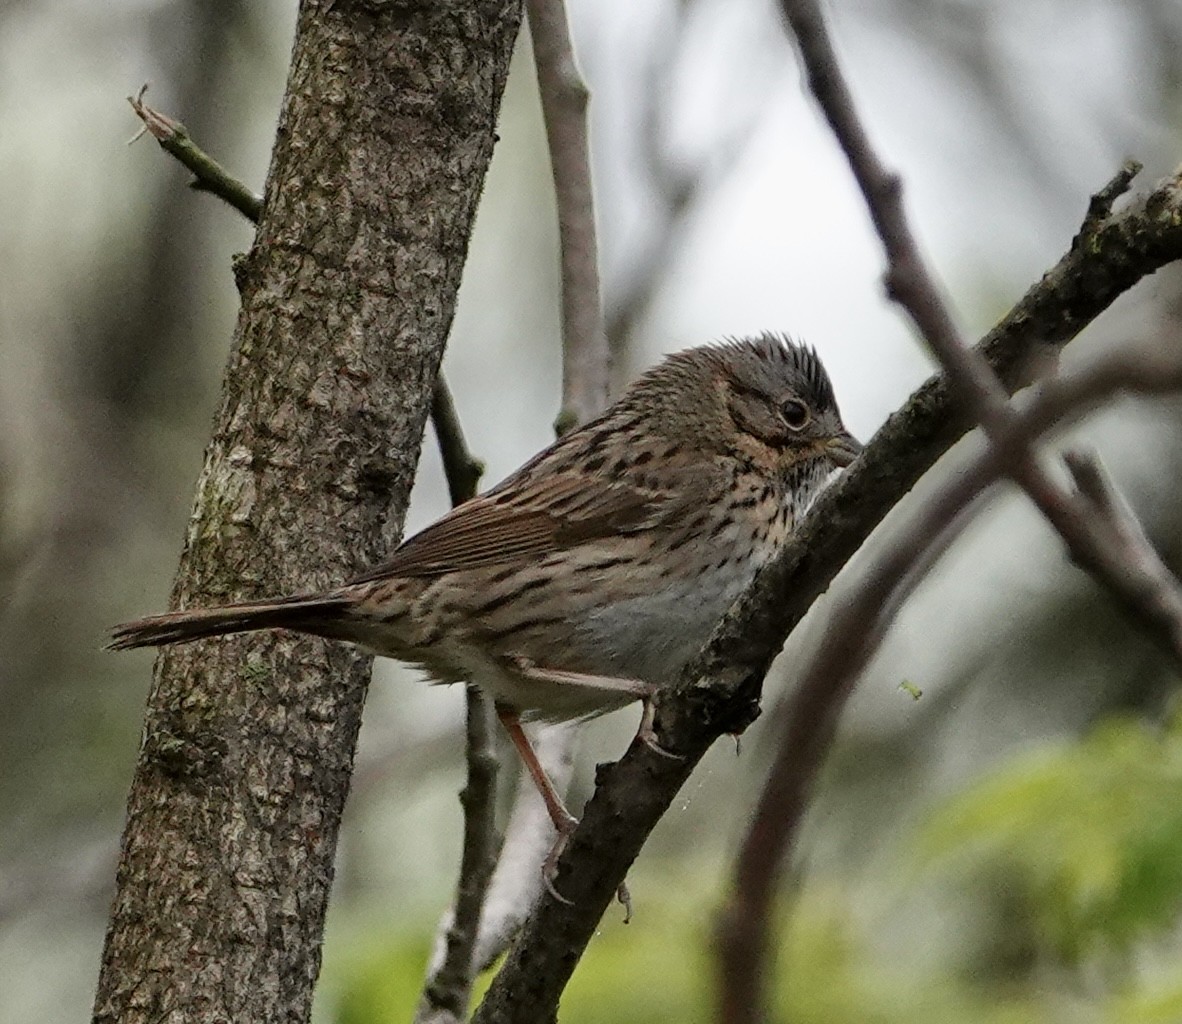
348	293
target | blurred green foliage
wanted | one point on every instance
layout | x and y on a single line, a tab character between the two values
1083	842
660	968
1071	854
1090	832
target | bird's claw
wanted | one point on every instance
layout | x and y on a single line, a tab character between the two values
648	736
550	864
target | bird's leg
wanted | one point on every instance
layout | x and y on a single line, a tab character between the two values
642	691
564	821
608	684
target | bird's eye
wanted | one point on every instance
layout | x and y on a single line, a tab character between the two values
795	413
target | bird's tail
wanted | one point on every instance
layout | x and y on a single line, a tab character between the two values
316	614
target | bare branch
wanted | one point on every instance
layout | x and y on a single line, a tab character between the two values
720	692
586	360
1095	541
907	279
517	880
461	468
449	984
806	722
208	174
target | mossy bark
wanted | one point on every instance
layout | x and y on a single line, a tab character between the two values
385	134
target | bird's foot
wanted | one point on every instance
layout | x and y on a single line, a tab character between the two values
648	736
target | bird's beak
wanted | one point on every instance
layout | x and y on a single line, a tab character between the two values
843	449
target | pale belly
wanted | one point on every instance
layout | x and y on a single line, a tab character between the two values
653	637
646	639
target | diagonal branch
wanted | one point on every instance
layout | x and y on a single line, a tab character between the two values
1095	540
208	174
720	692
1157	592
1120	557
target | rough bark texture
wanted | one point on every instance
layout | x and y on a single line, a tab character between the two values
347	295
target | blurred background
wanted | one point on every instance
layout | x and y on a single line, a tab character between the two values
1006	847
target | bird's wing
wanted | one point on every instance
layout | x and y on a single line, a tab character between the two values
538	517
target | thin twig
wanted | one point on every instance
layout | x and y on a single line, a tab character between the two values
448	987
586	359
461	469
449	981
1094	540
517	880
208	174
907	279
1145	569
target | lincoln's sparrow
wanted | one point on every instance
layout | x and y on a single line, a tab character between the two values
591	576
